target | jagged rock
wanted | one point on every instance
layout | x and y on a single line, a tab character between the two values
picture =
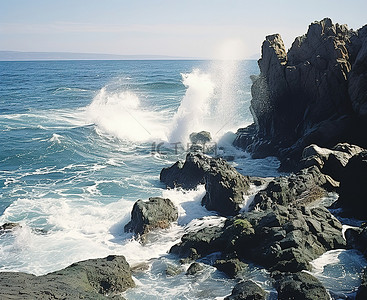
188	174
330	161
357	238
148	215
352	196
287	239
247	290
314	94
297	189
362	290
231	267
201	242
357	81
280	238
225	187
225	190
201	137
300	285
90	279
194	268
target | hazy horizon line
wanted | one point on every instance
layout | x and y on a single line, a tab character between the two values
15	55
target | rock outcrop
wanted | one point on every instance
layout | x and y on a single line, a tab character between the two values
330	161
282	238
90	279
314	94
225	187
152	214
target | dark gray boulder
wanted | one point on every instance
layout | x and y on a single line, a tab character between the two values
298	189
90	279
247	290
187	174
302	286
199	243
352	195
231	267
152	214
225	190
225	187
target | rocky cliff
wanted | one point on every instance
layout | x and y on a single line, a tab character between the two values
314	93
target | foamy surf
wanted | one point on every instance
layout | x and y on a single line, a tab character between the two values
121	114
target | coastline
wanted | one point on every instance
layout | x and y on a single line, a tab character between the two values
282	230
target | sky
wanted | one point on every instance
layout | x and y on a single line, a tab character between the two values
187	28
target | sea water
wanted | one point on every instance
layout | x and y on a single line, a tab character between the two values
79	145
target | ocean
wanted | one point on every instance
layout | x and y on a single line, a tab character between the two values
81	141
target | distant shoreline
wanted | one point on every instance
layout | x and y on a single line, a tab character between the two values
71	56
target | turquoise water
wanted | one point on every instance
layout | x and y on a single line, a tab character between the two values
78	146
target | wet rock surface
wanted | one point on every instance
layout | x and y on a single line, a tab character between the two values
156	213
300	285
247	290
225	187
281	239
298	189
90	279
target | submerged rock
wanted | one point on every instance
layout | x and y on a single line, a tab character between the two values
152	214
300	285
247	290
362	290
90	279
8	227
